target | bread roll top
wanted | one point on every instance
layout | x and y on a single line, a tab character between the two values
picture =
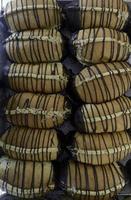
37	111
103	82
91	181
101	149
113	116
25	179
36	46
101	45
44	78
111	14
26	15
24	143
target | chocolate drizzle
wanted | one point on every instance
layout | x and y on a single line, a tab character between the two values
112	45
32	14
110	14
101	149
35	46
111	116
30	144
29	179
37	111
103	82
42	78
94	182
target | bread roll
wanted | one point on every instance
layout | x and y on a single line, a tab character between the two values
37	111
23	143
101	149
43	78
94	182
100	45
93	13
35	46
26	15
25	179
103	82
113	116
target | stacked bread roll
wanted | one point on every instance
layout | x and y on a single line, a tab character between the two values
38	77
91	14
104	116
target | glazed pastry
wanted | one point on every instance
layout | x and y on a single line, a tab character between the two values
88	181
25	179
35	46
101	149
93	13
37	111
101	45
26	15
103	82
43	78
112	116
23	143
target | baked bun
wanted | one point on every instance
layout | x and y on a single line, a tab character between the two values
93	13
42	78
103	82
36	46
26	15
23	143
37	111
25	179
113	116
94	182
101	45
101	149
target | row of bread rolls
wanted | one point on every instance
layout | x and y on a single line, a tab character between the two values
38	77
22	15
102	120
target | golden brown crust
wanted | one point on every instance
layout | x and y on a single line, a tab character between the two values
26	15
36	46
43	78
37	111
23	143
111	14
103	82
113	116
100	149
91	181
25	179
100	45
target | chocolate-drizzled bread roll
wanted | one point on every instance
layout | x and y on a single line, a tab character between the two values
25	179
37	111
23	143
42	78
36	46
113	116
100	149
93	13
94	182
100	45
103	82
26	15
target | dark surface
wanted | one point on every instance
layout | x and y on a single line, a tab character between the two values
54	195
8	197
126	192
127	28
